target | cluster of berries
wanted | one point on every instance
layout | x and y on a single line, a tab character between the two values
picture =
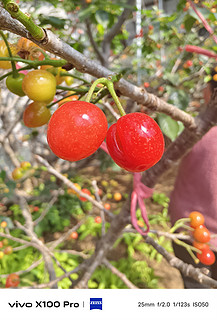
201	237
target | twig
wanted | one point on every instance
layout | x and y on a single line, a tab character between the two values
187	269
93	43
33	266
68	183
49	205
74	252
96	189
109	107
121	275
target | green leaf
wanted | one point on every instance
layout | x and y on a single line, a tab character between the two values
169	126
189	22
3	175
102	17
179	98
54	21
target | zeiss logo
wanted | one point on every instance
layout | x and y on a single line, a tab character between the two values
96	303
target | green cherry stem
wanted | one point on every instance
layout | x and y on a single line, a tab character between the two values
36	32
36	63
189	248
109	84
14	70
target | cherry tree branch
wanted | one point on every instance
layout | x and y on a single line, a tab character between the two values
55	45
184	143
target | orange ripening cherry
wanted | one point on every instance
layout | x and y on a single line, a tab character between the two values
68	99
3	224
39	85
4	53
201	234
12	280
8	250
107	206
117	196
36	115
196	219
17	173
76	130
74	235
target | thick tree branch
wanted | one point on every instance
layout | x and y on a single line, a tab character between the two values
55	45
184	143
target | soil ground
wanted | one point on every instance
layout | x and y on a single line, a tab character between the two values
169	278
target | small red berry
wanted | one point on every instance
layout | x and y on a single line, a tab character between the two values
74	235
12	280
87	192
207	257
98	219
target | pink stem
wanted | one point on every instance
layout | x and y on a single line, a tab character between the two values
200	50
104	147
140	192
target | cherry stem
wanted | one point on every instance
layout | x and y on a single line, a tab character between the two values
14	70
36	32
140	192
36	63
189	248
109	84
181	224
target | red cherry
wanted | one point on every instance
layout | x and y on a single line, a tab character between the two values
12	280
207	257
87	192
98	219
135	142
189	63
76	130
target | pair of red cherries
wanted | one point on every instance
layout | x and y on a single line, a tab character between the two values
78	128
